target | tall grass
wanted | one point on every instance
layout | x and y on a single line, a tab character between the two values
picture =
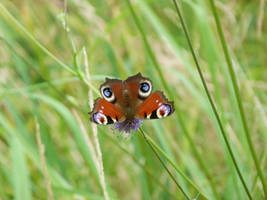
44	73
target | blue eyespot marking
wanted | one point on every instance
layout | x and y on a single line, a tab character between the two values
144	87
107	92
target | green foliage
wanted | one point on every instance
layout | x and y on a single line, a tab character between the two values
43	77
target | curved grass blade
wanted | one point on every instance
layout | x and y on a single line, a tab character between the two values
5	13
237	95
135	159
150	140
161	161
70	120
17	25
211	101
32	152
20	173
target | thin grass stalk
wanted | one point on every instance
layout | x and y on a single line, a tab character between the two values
6	14
148	48
13	20
178	112
198	156
43	161
165	167
85	135
174	165
210	99
94	129
237	95
67	29
263	159
260	18
99	161
140	164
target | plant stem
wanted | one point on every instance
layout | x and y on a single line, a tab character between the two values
237	95
174	166
210	99
148	48
161	161
139	163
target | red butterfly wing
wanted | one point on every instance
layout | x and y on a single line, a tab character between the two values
105	112
155	106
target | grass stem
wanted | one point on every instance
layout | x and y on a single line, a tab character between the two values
94	129
165	167
237	95
210	99
42	155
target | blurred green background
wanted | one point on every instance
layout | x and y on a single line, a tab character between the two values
44	47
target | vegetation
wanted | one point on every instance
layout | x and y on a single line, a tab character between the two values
208	56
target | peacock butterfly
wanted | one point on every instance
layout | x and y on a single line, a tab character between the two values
127	103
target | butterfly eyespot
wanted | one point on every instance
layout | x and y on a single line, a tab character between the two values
100	118
145	89
107	94
163	111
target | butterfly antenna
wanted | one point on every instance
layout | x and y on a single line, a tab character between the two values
163	164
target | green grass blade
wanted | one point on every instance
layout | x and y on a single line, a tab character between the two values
237	96
161	161
71	122
148	171
144	179
210	100
5	13
174	165
148	48
32	151
20	172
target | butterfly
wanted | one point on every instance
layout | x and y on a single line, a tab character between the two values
126	103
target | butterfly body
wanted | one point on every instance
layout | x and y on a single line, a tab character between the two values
129	101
